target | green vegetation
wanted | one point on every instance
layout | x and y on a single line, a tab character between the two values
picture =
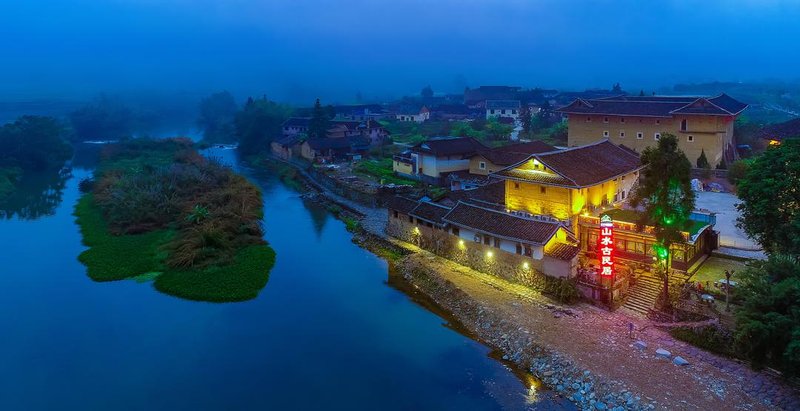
664	186
8	180
770	198
737	170
562	289
190	219
217	113
381	170
257	123
711	338
713	269
768	323
116	257
240	280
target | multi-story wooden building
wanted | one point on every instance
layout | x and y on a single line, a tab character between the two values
566	183
702	124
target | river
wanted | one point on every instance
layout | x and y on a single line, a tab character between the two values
329	331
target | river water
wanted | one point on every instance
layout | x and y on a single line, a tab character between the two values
331	330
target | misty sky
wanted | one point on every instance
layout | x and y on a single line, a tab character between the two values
294	50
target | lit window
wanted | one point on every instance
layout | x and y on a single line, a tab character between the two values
639	135
657	136
482	165
690	138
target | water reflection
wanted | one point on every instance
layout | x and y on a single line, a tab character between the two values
37	194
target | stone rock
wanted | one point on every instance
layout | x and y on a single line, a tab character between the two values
640	345
505	357
600	405
557	315
577	397
662	353
678	360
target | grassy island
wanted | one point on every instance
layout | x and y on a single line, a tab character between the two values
159	210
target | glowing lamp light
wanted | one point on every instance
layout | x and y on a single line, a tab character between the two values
461	244
490	254
525	265
416	231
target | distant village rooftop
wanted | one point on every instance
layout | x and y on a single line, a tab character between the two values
656	106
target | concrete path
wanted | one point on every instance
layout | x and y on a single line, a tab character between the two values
724	205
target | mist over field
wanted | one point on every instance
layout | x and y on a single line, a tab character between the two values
294	51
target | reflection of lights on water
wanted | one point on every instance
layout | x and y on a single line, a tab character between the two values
532	395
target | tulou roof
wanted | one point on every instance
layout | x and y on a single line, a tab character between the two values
575	167
781	131
501	224
657	106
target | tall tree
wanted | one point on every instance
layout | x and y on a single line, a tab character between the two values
426	93
258	123
103	119
33	143
768	323
320	121
526	119
702	161
770	194
665	190
217	114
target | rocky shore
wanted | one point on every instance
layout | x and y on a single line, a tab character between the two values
556	371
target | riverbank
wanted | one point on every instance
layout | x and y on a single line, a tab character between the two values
585	354
581	352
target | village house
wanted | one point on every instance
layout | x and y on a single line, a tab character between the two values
368	129
453	112
477	233
476	98
702	124
502	109
288	147
295	125
489	160
774	134
415	114
563	184
431	160
330	150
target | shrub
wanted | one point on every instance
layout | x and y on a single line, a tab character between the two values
562	289
737	171
711	338
702	161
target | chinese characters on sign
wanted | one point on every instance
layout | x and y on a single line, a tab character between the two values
606	246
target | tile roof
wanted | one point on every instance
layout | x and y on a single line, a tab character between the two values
401	204
656	106
337	143
577	167
501	224
491	195
290	140
781	131
430	212
501	104
514	153
449	146
562	251
297	122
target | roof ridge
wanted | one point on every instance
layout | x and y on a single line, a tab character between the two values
500	212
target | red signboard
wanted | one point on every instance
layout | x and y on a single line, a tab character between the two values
605	246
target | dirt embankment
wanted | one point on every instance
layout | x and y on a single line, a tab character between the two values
585	353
